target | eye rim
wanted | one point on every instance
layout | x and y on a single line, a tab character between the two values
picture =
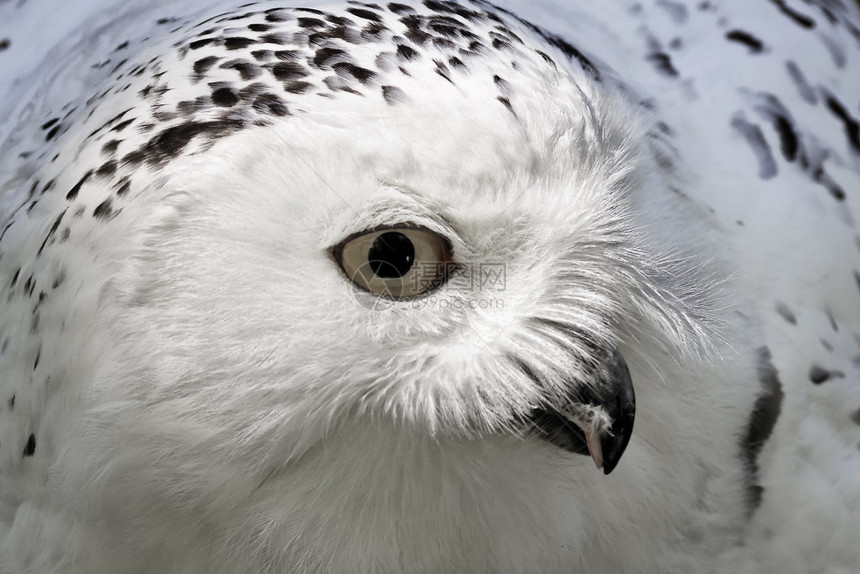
336	252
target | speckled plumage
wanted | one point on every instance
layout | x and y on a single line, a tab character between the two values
188	383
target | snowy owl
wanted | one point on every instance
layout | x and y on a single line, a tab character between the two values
429	286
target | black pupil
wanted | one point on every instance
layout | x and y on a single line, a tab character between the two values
391	255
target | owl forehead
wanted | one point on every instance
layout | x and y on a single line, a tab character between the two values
263	64
280	61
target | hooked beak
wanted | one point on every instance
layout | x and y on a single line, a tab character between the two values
580	426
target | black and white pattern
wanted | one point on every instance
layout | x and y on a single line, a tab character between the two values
187	378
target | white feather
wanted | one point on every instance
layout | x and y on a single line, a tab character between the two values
207	392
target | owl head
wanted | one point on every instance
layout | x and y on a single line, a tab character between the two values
379	292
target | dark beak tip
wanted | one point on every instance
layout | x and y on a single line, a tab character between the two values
614	446
612	454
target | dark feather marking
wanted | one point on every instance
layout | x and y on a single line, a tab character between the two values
110	147
501	44
323	55
103	210
363	75
545	57
51	231
275	39
373	31
822	177
400	8
772	109
762	421
852	127
122	187
107	169
445	6
413	30
754	44
366	14
53	132
507	103
755	138
406	53
252	90
797	17
818	374
262	55
662	63
287	55
788	142
203	65
224	97
73	193
48	186
393	94
270	105
443	43
456	63
237	43
122	125
196	44
339	20
836	52
786	313
169	142
247	70
297	87
30	448
312	23
284	71
59	278
442	70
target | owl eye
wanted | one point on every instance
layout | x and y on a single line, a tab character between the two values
396	262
